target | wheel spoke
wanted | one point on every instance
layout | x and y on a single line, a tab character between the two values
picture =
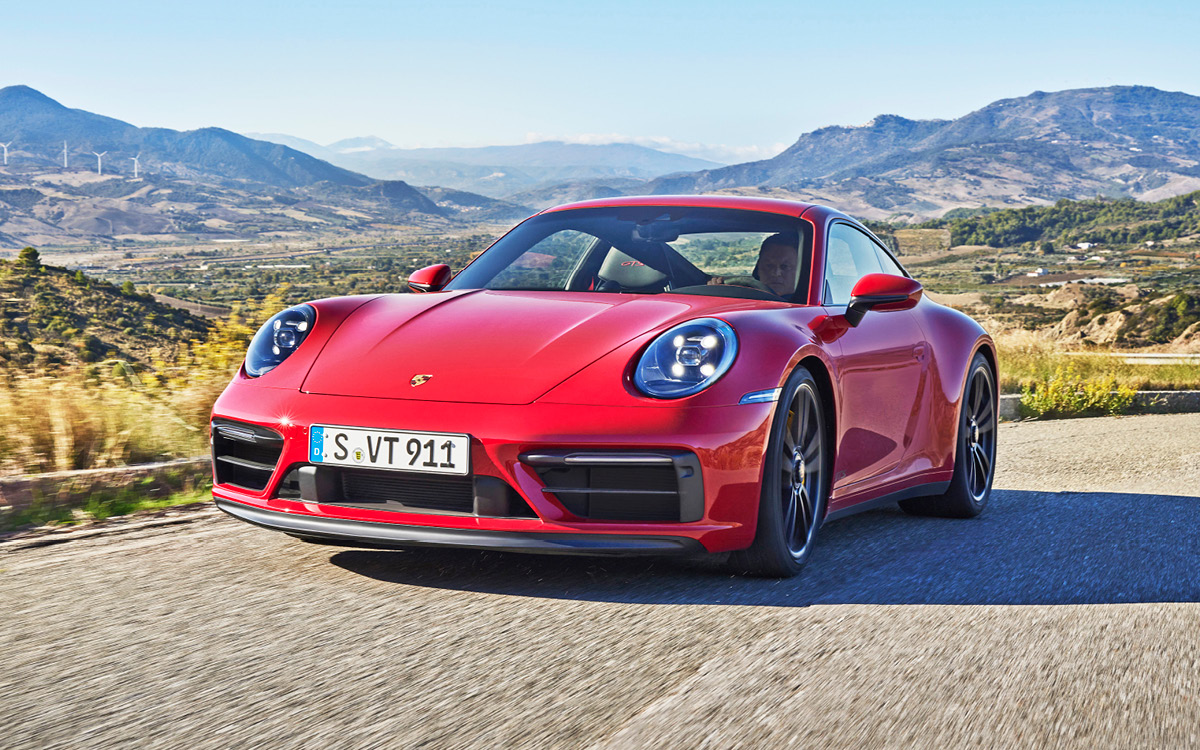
813	446
789	512
986	420
802	427
985	463
971	469
976	393
805	516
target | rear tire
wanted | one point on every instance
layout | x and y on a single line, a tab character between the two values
974	454
795	485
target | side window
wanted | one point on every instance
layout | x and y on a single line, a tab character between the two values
849	255
886	262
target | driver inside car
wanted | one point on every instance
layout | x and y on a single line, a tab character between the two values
777	269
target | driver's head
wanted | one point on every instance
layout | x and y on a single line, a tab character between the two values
779	263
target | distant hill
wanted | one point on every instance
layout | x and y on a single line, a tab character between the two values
497	171
1098	221
1131	141
544	196
300	144
476	207
38	126
50	316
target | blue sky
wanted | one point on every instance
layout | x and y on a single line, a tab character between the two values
742	77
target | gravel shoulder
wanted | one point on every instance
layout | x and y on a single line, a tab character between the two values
1065	616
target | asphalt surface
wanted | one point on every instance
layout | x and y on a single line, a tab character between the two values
1065	616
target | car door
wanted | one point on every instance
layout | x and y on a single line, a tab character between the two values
881	368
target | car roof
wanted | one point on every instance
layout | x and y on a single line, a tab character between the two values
768	205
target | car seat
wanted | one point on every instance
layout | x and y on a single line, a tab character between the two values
623	273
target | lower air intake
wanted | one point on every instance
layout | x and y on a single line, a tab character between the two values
646	487
244	454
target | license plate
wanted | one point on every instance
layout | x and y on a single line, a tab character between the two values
426	452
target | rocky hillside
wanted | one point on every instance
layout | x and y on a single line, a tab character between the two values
50	317
1121	141
38	126
1124	316
1098	221
199	185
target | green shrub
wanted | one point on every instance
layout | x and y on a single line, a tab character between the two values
1066	394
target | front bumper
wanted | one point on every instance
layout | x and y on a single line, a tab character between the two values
507	442
375	534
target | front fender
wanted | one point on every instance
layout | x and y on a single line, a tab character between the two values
770	344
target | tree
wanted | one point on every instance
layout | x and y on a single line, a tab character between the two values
30	258
127	289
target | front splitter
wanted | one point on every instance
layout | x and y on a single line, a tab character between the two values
338	530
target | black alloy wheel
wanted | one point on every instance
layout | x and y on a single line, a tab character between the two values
795	483
980	435
975	452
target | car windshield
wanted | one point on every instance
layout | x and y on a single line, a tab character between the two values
650	250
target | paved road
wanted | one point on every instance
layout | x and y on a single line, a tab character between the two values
1065	616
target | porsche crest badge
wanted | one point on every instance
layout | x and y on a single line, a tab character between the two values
418	380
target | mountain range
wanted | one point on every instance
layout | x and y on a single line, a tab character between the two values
496	171
38	127
1119	141
204	183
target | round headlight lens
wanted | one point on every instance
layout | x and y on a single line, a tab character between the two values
278	338
686	359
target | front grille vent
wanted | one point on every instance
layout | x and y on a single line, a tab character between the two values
615	493
441	493
244	455
401	491
649	487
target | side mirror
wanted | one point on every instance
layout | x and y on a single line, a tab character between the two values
881	291
430	278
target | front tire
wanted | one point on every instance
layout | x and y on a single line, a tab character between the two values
975	451
795	485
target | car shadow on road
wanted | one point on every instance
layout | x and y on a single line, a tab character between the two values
1027	548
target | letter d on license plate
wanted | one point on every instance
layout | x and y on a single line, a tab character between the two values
427	452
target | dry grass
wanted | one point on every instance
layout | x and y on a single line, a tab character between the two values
106	415
1029	358
77	421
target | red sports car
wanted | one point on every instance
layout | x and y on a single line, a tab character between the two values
646	375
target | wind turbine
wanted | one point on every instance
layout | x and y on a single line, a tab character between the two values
99	167
64	154
6	145
135	164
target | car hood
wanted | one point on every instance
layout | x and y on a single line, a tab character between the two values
481	346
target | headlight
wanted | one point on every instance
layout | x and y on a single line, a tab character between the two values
686	359
278	338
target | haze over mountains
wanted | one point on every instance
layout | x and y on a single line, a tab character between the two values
497	171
